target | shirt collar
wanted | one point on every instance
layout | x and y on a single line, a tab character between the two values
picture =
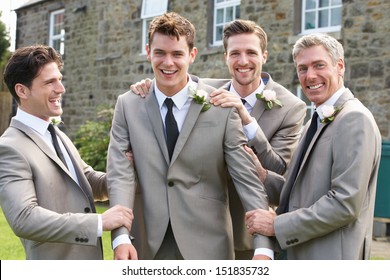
251	98
179	98
330	102
35	123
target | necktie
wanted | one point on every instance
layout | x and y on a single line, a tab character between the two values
243	101
283	206
55	143
170	127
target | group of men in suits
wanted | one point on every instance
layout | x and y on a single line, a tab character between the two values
181	199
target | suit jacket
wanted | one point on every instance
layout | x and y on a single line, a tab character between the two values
274	143
190	191
42	203
331	204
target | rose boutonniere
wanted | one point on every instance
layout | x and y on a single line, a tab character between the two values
200	97
269	99
56	120
329	113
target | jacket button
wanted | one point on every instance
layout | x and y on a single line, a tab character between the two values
87	210
288	242
170	184
77	239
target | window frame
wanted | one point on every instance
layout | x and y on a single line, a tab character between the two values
224	4
55	37
317	9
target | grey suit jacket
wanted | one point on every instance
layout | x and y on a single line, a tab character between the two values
42	203
190	191
274	143
331	205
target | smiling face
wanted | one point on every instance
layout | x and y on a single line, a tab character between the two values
245	59
320	78
170	59
43	98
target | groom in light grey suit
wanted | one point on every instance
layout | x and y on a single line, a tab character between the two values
180	204
327	203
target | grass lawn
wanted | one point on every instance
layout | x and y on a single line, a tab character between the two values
11	248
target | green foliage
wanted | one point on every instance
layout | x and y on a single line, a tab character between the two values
4	43
93	137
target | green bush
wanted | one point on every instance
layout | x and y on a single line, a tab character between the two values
93	137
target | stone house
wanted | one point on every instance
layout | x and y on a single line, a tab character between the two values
102	43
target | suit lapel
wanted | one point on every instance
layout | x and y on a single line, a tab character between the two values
347	95
155	119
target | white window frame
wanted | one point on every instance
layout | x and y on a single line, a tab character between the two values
310	107
150	9
317	9
218	5
60	36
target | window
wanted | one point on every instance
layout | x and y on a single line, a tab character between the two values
150	9
321	16
309	105
225	11
57	31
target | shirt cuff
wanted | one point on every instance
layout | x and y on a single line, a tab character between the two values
250	129
265	251
121	239
100	226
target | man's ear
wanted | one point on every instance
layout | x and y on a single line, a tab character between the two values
22	91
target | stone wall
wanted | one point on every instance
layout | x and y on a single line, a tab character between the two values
103	48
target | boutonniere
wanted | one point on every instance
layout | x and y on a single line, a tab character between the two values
56	120
329	113
269	99
200	97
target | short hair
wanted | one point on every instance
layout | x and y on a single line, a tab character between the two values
25	65
334	47
240	26
174	25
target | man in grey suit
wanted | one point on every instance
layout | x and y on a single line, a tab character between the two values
182	198
327	203
49	203
272	132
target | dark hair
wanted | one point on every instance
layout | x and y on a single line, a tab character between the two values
172	24
240	26
26	64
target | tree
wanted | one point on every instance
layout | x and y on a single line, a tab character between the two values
4	42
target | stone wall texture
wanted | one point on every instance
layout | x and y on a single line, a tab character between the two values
103	48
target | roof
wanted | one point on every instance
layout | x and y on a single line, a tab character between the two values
29	3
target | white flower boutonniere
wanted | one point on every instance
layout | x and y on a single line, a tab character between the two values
56	120
200	97
329	113
269	99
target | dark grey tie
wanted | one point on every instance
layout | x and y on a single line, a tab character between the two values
170	127
283	206
55	143
243	101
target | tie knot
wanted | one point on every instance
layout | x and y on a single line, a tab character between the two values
243	101
51	129
169	103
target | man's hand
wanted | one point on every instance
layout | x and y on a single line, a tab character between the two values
117	216
260	221
125	252
224	98
142	87
261	171
261	257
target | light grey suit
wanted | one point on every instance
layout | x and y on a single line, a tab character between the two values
190	192
331	204
42	203
274	143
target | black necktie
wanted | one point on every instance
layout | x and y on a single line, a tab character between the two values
55	143
283	206
243	101
170	127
